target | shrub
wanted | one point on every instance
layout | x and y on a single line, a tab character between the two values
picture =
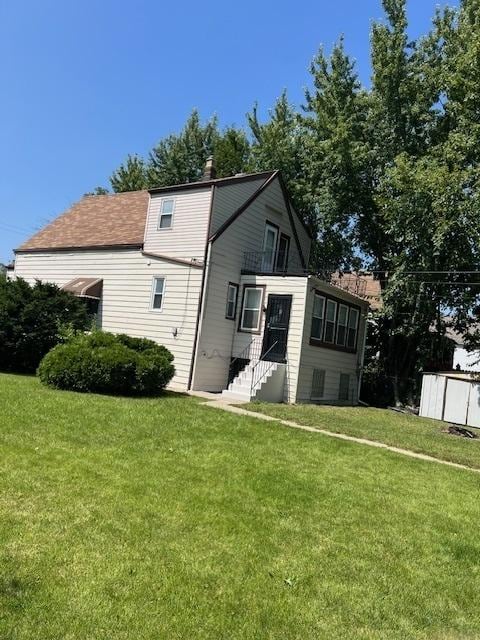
32	319
106	363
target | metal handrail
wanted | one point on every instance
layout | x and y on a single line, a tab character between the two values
254	368
242	356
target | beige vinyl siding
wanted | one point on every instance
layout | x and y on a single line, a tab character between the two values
296	286
333	361
187	236
303	237
230	197
246	233
127	291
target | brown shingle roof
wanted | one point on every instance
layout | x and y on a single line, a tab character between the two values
111	220
363	285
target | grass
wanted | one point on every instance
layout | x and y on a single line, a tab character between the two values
400	430
129	518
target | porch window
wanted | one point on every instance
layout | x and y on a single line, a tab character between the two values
252	304
158	292
232	295
342	324
165	219
330	317
317	318
352	328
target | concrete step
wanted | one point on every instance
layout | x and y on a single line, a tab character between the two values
239	397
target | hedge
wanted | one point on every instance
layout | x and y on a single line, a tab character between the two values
106	363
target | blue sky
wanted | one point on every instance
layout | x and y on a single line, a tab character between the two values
85	83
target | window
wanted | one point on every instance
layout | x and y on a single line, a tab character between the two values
158	292
318	384
166	213
352	329
282	254
232	295
330	317
317	318
334	323
252	304
344	387
269	247
342	324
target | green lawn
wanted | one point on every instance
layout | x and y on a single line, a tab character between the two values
405	431
130	518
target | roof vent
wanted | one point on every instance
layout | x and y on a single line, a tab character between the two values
209	173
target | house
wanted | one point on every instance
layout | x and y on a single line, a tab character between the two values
216	271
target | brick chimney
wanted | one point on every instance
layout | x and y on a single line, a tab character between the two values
209	173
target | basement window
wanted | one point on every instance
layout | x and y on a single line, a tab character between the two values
344	387
318	384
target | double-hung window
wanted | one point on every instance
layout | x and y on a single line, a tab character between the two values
158	293
232	295
330	317
269	247
165	219
342	324
251	309
317	317
352	328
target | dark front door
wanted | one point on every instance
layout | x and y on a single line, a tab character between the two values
276	328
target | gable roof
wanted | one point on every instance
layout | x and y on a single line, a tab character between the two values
116	219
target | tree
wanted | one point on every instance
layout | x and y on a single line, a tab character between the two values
334	156
423	175
130	176
181	158
98	191
31	321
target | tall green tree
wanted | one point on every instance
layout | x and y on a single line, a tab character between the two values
130	176
334	155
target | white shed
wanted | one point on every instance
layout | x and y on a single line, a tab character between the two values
452	397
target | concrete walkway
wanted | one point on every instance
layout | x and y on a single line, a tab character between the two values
215	401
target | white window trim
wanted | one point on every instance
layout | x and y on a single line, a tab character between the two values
270	227
345	306
332	341
357	323
322	317
235	287
159	228
152	295
244	308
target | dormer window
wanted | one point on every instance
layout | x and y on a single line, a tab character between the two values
165	219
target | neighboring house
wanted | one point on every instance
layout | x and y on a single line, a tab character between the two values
217	272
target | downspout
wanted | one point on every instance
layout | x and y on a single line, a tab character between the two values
362	358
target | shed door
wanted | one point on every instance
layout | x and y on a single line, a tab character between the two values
456	401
